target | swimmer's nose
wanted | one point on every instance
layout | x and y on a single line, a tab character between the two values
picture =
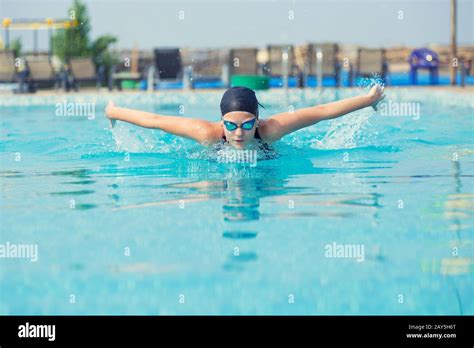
239	131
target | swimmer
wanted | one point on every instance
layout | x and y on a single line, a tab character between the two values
240	125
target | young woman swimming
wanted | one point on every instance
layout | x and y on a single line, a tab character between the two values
239	125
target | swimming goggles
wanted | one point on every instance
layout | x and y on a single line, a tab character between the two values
231	126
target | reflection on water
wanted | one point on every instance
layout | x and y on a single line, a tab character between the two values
77	173
81	182
241	200
459	209
73	193
241	189
239	234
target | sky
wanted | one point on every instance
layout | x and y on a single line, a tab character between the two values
235	23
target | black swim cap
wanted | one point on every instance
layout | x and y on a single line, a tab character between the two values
239	99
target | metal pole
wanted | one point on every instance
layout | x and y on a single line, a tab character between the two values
225	76
284	67
151	79
7	38
319	67
188	78
453	42
50	42
284	63
35	41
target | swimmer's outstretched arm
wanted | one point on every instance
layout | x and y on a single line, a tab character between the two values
285	123
195	129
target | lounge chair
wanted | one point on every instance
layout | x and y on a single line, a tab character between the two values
41	73
371	62
7	66
83	70
208	67
9	73
330	66
243	61
169	68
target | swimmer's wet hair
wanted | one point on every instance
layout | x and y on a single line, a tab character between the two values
240	99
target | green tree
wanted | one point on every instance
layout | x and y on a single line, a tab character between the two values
100	52
15	45
75	42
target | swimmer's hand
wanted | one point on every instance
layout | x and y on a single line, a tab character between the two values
108	113
376	95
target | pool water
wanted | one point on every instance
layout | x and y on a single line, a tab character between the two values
371	213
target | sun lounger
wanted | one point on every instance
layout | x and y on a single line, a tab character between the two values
370	63
41	73
83	70
169	68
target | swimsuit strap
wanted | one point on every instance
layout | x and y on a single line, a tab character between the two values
265	145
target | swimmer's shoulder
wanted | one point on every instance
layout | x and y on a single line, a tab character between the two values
267	131
214	133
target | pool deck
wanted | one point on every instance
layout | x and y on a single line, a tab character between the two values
105	91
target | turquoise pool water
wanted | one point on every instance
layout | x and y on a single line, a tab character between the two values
133	221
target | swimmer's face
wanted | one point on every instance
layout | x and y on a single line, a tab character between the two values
244	133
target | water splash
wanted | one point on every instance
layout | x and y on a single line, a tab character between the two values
138	140
347	132
132	140
374	79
